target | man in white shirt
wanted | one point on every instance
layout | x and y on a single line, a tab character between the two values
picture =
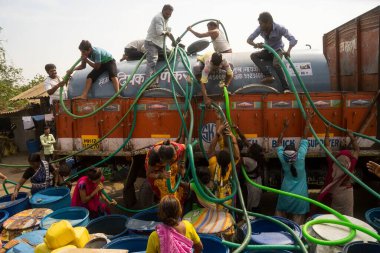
155	38
53	83
219	40
47	142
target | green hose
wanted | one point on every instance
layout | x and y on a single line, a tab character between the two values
228	110
337	214
68	112
206	20
290	81
75	116
326	121
12	182
110	132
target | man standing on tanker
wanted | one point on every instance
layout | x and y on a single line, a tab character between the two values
155	39
272	34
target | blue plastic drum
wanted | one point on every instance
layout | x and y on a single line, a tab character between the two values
12	207
373	218
3	217
77	216
361	247
52	198
114	226
213	244
33	146
131	243
144	222
265	232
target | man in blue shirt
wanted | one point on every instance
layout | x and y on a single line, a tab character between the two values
272	34
101	61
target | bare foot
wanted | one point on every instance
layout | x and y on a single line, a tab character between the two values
80	97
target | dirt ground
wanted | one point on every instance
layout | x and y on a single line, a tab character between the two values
363	200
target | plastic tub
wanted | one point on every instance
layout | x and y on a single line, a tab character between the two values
52	198
96	243
213	244
33	146
77	216
266	232
12	207
144	222
131	243
372	216
361	247
3	217
114	226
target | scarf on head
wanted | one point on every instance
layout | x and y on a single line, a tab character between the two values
171	241
290	156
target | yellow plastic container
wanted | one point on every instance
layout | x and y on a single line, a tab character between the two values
59	234
42	248
81	237
63	248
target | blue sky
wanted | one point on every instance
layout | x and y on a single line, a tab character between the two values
36	32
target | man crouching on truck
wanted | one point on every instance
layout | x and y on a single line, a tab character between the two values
101	61
272	34
207	64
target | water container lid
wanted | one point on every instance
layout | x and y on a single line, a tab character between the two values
26	219
40	197
210	221
282	238
197	46
334	232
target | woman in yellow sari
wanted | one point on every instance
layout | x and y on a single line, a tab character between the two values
158	157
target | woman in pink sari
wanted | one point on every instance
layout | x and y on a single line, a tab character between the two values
88	191
174	235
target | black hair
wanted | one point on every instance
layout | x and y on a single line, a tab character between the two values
170	210
85	45
255	151
153	158
167	7
34	157
216	58
94	174
265	17
64	170
293	170
49	66
166	151
240	144
290	146
46	127
203	174
212	23
223	159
